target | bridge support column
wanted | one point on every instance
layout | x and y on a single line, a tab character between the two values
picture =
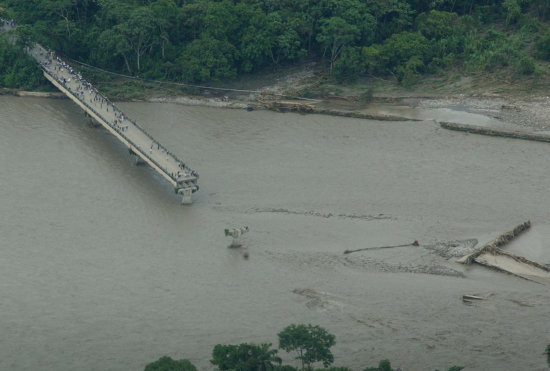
186	196
93	123
137	159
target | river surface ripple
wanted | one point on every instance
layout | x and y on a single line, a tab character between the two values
102	269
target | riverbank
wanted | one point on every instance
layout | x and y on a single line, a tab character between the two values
305	90
36	94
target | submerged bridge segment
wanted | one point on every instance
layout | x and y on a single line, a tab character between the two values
139	142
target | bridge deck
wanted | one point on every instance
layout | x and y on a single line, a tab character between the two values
60	74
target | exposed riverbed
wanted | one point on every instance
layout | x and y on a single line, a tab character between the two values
103	269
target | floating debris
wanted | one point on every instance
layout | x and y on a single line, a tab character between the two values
415	243
472	297
323	215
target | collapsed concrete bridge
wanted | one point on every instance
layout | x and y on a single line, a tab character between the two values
140	144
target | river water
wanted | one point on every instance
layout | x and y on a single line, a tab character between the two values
102	269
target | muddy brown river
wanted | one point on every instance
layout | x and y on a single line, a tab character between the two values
101	268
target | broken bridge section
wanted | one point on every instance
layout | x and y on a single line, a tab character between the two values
140	144
99	108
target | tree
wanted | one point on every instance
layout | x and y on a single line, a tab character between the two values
543	48
17	69
140	31
392	16
285	368
436	24
335	34
403	52
207	59
118	45
134	36
312	343
547	352
349	65
165	13
245	357
384	365
168	364
513	10
269	37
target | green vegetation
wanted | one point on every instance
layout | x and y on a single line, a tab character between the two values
18	70
311	343
205	40
384	365
245	357
168	364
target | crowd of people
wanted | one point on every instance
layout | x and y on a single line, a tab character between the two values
84	90
89	95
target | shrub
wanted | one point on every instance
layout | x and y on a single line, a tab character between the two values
400	48
543	48
349	65
244	357
526	66
168	364
513	10
409	73
435	24
311	343
384	365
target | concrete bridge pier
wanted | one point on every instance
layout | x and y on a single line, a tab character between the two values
91	121
94	123
186	195
137	160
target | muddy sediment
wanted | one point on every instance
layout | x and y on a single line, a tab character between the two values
32	94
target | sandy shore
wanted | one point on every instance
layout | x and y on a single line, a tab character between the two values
526	113
38	94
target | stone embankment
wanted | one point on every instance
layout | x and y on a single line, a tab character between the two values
300	106
516	134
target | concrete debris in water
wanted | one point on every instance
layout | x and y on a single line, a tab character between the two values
496	132
415	243
236	233
469	299
453	249
492	256
493	246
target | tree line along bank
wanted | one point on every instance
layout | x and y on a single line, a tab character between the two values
205	40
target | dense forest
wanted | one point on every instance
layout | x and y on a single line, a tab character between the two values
204	40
